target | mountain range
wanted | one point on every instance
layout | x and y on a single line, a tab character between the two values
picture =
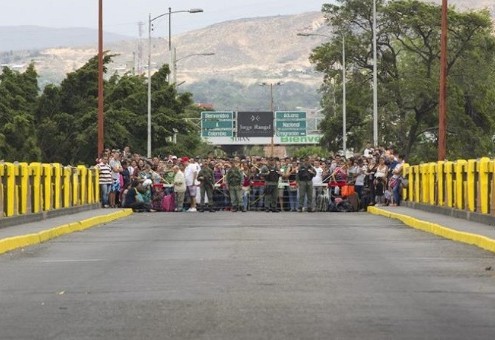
237	55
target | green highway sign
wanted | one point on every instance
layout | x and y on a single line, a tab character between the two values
290	115
291	133
291	125
217	115
217	125
216	133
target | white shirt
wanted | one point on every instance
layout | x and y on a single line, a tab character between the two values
191	172
318	179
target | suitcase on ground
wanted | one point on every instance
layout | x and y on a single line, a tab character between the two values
168	203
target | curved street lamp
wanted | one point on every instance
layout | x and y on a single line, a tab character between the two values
150	20
175	61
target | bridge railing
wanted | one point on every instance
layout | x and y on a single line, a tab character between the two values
41	187
464	184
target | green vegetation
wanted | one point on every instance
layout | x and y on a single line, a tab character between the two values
60	124
408	78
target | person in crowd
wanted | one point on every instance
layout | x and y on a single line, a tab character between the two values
132	168
126	179
179	188
246	185
292	189
206	180
305	174
257	186
235	179
218	193
191	174
396	180
360	176
116	166
134	200
270	173
105	180
317	181
282	183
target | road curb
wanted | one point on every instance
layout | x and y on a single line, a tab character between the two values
16	242
439	230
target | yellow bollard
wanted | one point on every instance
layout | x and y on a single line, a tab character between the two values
432	175
67	176
459	183
75	187
449	184
440	184
47	186
10	170
83	183
57	185
484	171
423	169
471	184
35	171
23	188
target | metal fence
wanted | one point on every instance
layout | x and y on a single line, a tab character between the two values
40	187
464	184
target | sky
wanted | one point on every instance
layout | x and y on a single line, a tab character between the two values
122	16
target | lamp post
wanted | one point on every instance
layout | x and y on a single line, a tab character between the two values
272	143
100	80
344	95
175	61
442	107
150	21
375	81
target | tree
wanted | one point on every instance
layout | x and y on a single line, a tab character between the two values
18	95
408	72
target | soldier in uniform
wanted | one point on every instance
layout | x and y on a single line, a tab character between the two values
234	179
305	174
271	174
207	181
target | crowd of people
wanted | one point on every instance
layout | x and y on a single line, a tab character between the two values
251	183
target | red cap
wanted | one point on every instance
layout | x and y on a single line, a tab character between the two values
185	159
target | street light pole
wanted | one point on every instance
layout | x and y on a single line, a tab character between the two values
375	81
272	107
101	130
344	101
442	107
150	21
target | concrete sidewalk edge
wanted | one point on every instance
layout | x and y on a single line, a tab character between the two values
16	242
439	230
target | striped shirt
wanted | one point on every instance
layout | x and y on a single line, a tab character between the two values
105	173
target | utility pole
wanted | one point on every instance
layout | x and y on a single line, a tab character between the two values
442	107
101	137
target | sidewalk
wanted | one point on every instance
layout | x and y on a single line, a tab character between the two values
456	229
23	235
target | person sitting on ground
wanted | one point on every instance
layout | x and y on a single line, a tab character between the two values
134	200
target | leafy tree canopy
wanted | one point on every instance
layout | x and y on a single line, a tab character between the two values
408	47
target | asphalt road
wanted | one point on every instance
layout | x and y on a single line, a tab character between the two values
248	276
